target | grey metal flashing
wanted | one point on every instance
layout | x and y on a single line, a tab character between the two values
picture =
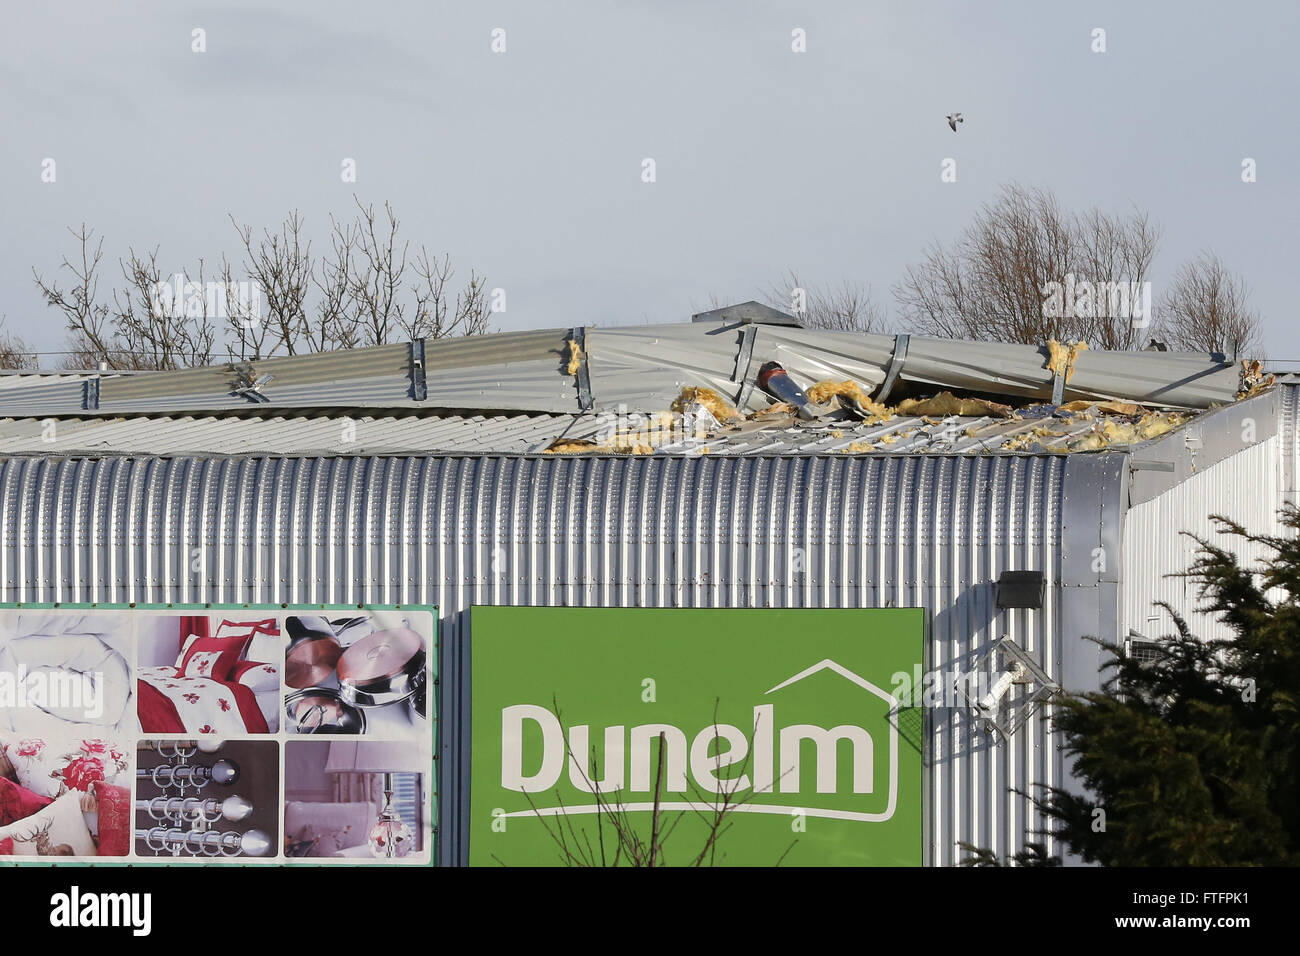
1093	505
750	313
1058	387
743	359
419	389
896	361
1160	463
583	376
1289	396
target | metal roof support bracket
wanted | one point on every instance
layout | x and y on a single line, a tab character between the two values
895	366
743	357
579	336
419	388
90	394
1058	387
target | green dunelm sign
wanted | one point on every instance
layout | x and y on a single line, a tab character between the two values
782	724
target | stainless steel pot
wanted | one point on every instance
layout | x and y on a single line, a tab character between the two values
384	667
320	710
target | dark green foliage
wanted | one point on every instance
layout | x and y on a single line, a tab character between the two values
1194	758
1034	854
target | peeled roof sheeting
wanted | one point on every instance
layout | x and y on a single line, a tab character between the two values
638	369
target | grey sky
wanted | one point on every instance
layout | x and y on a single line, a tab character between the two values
526	165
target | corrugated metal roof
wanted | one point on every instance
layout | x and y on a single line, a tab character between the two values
641	369
286	435
172	435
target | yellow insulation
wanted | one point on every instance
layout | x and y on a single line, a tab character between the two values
718	407
1253	379
823	392
946	403
1061	358
1110	408
575	356
580	446
776	410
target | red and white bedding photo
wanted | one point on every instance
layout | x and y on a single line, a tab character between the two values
64	796
218	683
65	763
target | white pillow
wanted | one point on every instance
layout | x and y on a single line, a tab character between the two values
180	658
261	677
56	830
336	826
263	647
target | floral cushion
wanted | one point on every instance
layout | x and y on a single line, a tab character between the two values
213	657
51	767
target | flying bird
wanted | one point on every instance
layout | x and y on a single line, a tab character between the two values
954	119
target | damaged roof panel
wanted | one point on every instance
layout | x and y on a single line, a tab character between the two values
643	369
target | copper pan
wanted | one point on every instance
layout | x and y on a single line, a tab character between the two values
313	651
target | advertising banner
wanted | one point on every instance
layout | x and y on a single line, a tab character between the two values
212	734
633	736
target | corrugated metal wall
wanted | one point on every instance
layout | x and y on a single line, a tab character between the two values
1243	487
659	532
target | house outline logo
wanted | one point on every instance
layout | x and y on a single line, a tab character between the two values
892	803
826	664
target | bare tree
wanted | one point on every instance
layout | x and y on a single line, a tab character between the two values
847	307
14	353
86	317
162	325
1206	310
628	845
280	267
371	288
138	327
998	281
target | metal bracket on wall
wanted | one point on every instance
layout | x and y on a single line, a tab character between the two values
743	358
579	336
419	387
90	396
895	366
1058	387
1005	687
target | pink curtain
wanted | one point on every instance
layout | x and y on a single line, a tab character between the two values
359	788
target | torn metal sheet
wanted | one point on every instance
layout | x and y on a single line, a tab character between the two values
644	369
